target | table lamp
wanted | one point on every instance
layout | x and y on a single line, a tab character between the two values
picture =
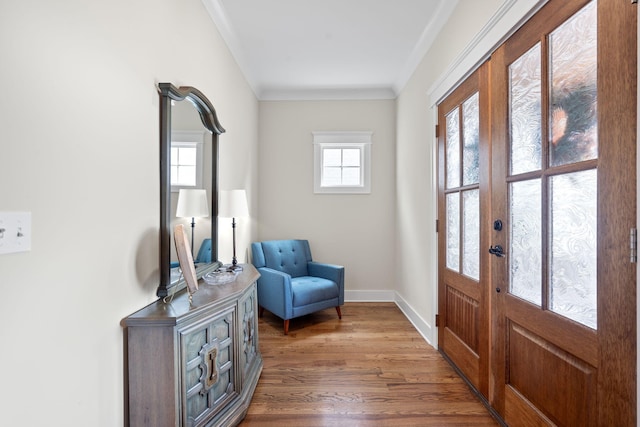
233	204
193	204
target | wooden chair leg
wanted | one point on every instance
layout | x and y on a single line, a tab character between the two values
260	311
339	312
286	327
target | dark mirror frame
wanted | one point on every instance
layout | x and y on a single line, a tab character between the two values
169	93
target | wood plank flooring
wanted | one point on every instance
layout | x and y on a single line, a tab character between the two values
371	368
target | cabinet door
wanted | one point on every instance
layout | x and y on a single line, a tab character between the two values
208	367
249	334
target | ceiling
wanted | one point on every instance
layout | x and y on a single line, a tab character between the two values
328	49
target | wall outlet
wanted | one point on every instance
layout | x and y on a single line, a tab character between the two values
15	232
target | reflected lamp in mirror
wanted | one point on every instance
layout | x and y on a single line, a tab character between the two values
192	204
233	204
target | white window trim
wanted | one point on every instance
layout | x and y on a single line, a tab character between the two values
190	138
342	139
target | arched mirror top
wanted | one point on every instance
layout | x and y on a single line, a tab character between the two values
170	279
201	103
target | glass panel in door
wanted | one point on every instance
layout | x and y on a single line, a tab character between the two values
552	189
463	316
463	203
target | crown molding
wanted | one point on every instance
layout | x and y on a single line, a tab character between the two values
506	21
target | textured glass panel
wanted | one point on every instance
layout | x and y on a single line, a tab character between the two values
453	149
351	157
574	246
471	140
525	262
525	112
332	157
471	234
573	122
453	231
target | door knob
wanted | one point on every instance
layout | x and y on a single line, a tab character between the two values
496	250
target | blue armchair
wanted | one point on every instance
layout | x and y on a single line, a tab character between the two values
291	284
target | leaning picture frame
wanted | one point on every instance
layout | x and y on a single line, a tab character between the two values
185	258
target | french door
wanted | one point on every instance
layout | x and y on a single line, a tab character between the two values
463	199
556	296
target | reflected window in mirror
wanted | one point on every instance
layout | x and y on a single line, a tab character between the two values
186	160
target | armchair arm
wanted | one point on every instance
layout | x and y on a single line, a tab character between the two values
330	272
274	292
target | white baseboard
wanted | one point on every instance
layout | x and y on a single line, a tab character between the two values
369	296
423	327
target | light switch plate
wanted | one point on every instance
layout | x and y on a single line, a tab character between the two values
15	232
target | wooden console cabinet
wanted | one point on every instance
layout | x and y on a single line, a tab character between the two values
195	364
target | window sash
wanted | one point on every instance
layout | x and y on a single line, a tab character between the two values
342	162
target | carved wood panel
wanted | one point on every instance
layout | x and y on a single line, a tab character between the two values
542	375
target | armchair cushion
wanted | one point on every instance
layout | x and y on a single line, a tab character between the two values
308	290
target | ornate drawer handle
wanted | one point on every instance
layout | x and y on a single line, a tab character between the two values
209	365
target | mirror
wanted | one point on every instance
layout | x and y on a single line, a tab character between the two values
191	175
180	104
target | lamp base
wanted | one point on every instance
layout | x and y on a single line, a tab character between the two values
233	267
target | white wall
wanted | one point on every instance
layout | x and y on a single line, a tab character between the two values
416	181
79	137
356	231
347	225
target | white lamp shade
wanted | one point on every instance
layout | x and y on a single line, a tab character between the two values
233	204
192	204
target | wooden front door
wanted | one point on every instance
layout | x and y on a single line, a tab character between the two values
564	186
463	204
545	328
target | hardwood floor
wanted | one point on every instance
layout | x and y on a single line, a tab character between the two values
371	368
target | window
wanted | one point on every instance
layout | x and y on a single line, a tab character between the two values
342	162
186	160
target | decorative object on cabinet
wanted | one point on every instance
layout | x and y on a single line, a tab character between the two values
186	260
195	364
170	94
291	284
204	254
233	204
220	277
